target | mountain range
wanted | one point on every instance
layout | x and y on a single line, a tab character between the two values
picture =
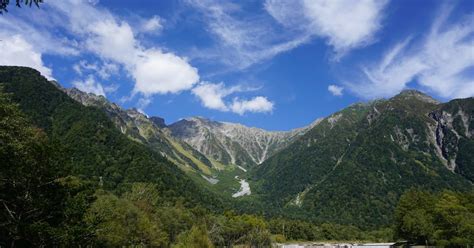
349	168
353	166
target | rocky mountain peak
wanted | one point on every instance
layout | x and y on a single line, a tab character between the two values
158	121
411	93
87	99
232	143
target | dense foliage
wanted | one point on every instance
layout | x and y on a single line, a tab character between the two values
4	4
444	219
39	204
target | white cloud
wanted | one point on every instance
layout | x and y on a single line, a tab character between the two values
157	72
154	72
90	86
241	40
439	63
93	2
110	44
244	39
257	104
335	90
143	103
112	40
38	32
97	31
17	51
346	24
104	70
153	24
213	96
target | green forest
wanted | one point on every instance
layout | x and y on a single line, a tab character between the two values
69	178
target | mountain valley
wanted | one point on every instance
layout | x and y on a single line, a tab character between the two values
350	168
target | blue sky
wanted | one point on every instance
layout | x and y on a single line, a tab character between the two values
272	64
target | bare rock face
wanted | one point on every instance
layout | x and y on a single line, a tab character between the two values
232	143
452	129
160	122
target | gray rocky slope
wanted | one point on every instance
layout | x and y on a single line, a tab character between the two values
232	143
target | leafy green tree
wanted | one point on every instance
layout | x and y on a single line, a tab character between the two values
118	222
4	4
197	237
455	219
77	195
174	220
30	197
414	217
230	229
143	195
445	219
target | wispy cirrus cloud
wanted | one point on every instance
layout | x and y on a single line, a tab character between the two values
242	39
441	62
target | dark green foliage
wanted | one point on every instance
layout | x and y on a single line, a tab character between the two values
230	229
27	180
197	237
444	219
302	230
4	4
119	222
465	159
414	217
38	206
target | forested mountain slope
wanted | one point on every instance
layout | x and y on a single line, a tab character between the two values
354	165
146	130
90	146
